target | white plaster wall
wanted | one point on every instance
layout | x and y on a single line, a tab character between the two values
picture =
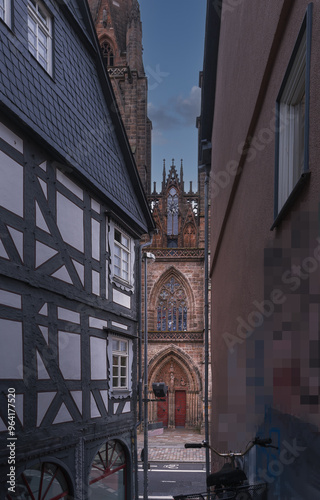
10	138
11	357
97	323
10	299
68	315
70	222
44	400
68	183
95	282
69	355
95	206
11	185
43	253
98	358
122	299
119	325
95	239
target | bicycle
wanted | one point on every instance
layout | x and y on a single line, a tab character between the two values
230	482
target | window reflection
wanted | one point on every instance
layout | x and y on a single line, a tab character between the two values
108	473
46	481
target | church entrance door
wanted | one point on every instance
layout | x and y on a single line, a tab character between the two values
180	408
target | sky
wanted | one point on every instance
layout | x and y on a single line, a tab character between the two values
173	42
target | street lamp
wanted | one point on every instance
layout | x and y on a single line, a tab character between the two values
147	256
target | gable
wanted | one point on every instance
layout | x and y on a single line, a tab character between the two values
73	112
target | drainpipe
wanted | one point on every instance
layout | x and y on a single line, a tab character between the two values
206	149
146	256
140	394
206	315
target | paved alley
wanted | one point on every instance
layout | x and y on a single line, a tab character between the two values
169	446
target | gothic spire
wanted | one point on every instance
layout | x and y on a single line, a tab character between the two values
164	175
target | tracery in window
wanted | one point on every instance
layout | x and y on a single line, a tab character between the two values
172	212
107	54
172	307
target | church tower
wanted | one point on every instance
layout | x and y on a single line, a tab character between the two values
119	31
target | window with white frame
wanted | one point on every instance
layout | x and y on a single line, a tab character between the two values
40	33
292	121
121	255
5	11
120	358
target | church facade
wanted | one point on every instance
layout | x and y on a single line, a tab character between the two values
176	280
176	301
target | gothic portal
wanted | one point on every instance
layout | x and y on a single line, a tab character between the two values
182	406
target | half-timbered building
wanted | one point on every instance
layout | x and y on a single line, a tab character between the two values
72	212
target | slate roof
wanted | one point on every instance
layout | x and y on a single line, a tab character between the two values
69	110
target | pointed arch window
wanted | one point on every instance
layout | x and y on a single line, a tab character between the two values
172	307
172	212
107	54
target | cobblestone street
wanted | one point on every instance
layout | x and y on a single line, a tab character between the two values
169	446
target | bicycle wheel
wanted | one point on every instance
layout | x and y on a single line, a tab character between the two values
243	495
224	494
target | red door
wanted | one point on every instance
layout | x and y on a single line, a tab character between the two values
180	408
162	412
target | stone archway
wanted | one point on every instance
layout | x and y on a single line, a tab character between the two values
178	371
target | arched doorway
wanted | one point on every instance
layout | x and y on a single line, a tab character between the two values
182	406
108	475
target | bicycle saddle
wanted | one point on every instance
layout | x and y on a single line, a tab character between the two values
227	476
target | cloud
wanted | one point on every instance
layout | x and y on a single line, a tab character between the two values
177	111
162	117
158	139
189	108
